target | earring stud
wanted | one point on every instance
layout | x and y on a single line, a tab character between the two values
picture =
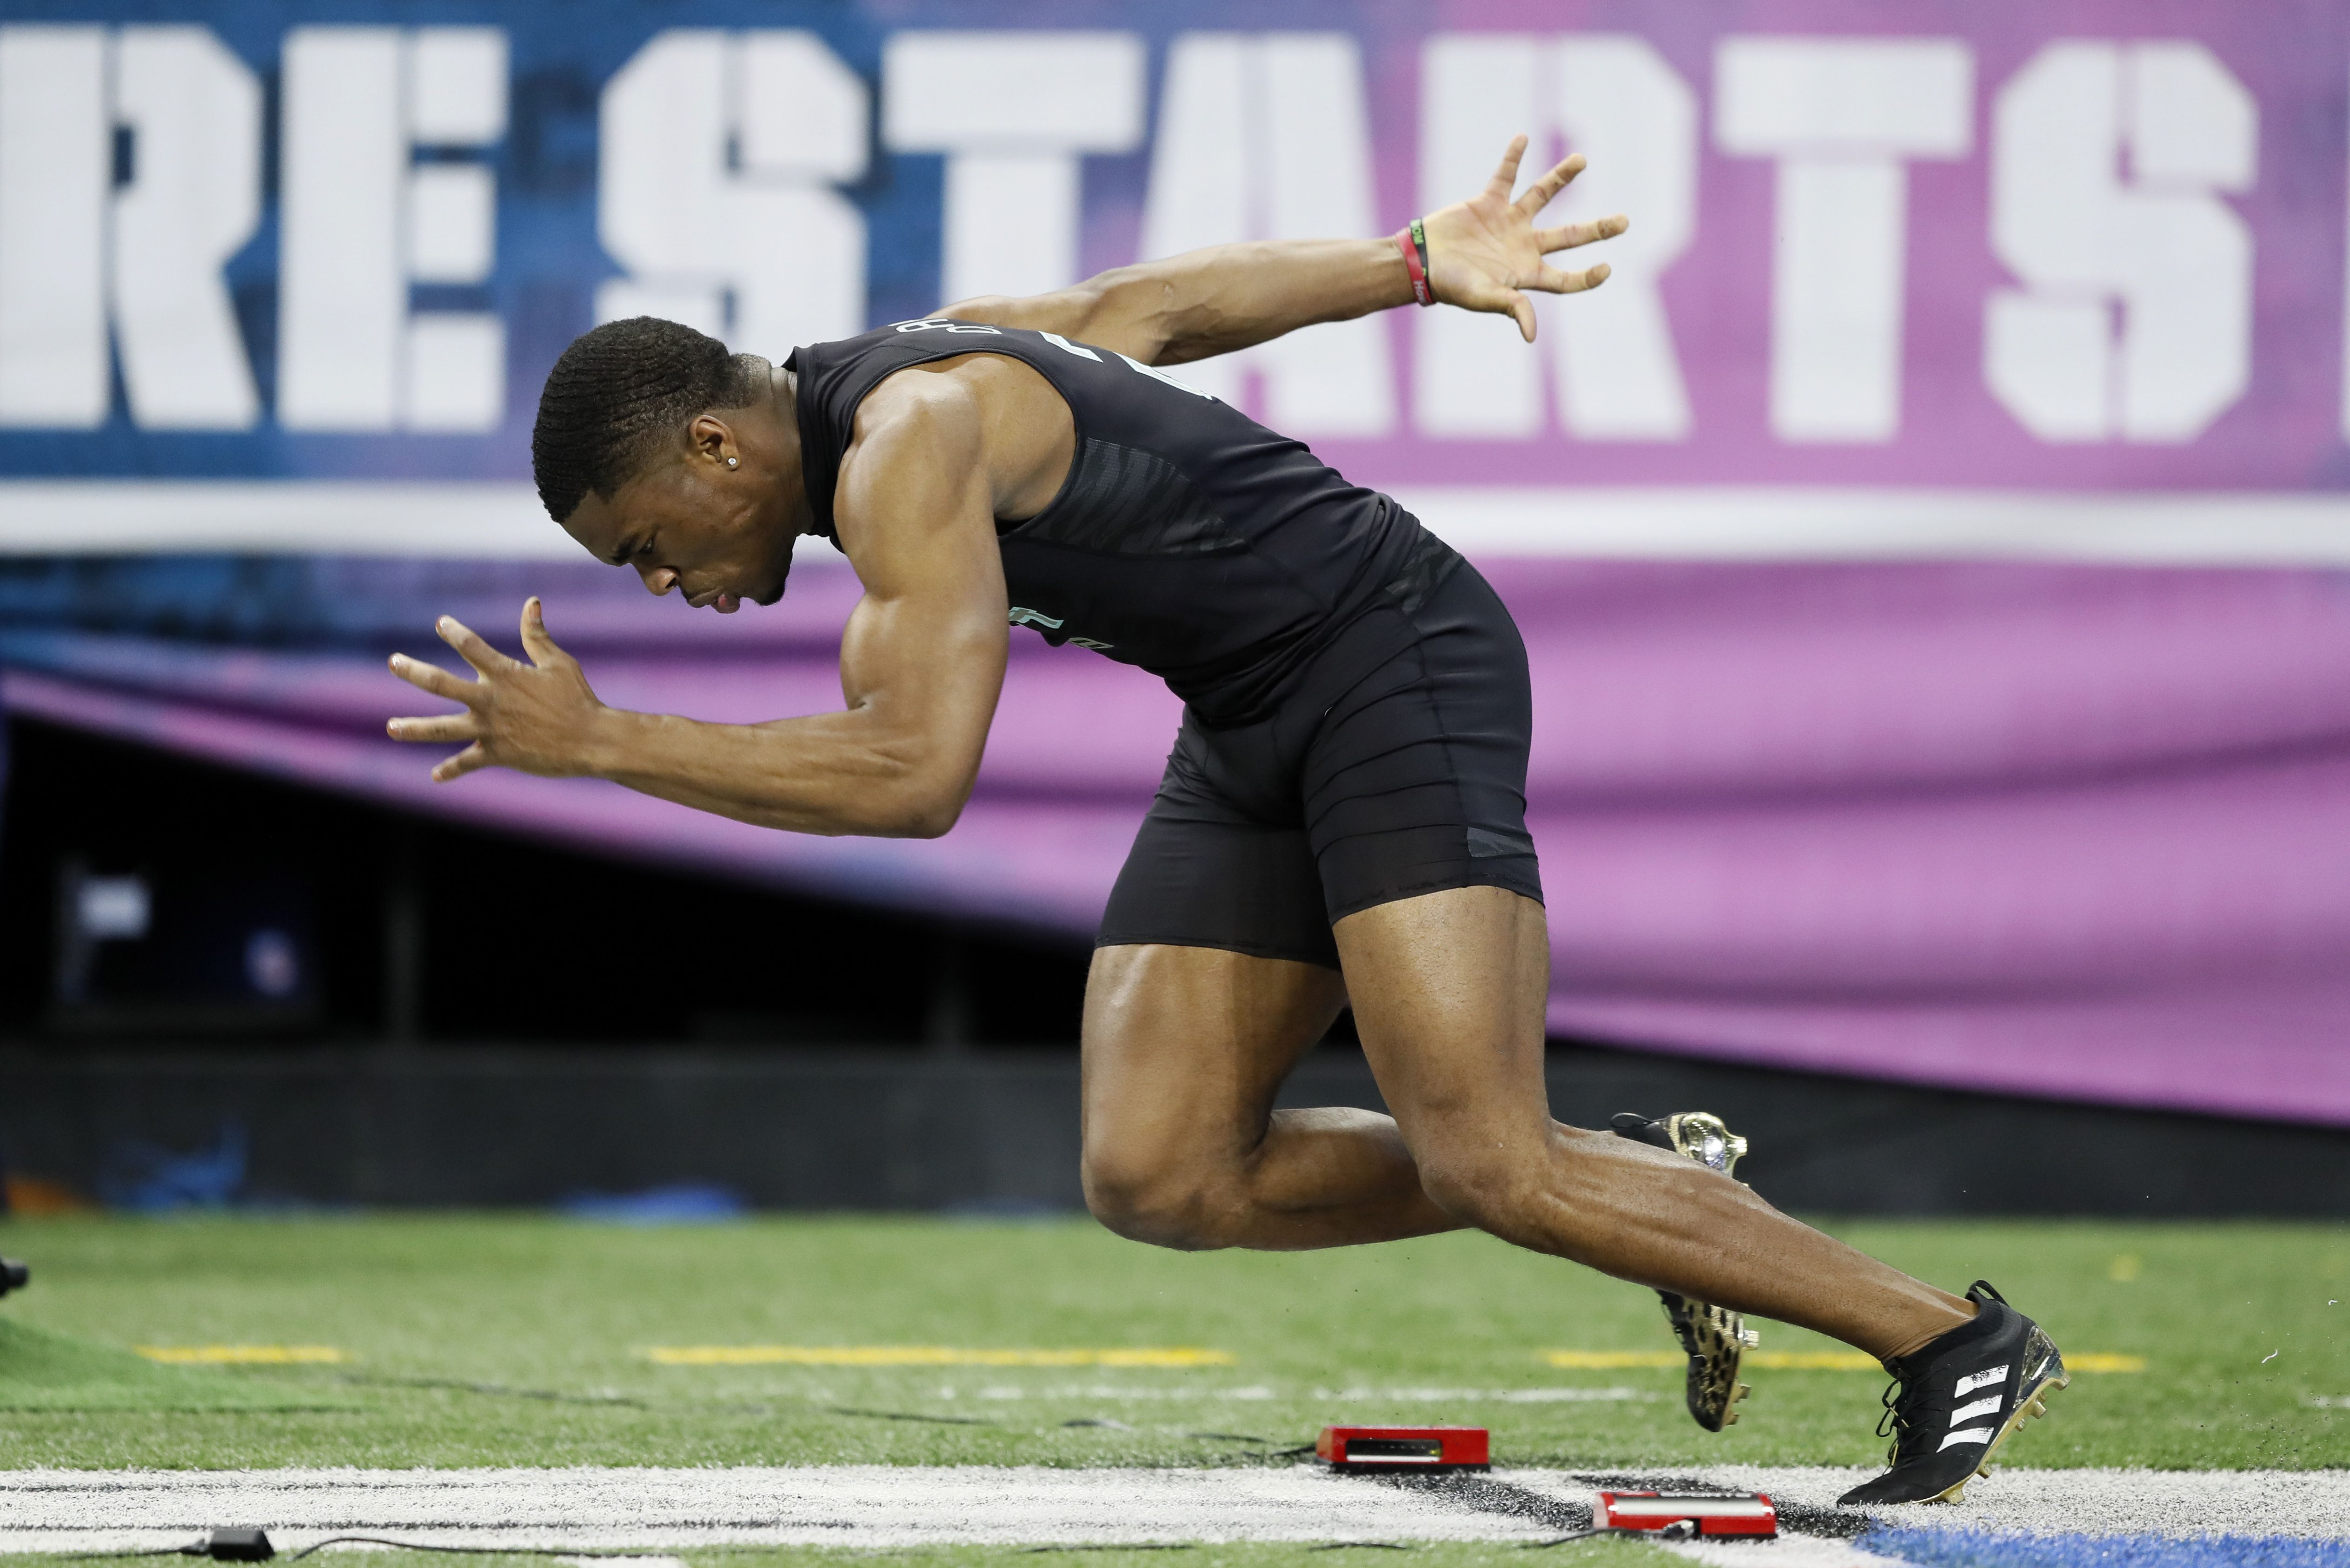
729	463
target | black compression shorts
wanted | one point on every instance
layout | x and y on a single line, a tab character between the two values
1395	765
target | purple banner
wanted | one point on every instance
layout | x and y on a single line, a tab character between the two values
2061	830
1930	541
2056	249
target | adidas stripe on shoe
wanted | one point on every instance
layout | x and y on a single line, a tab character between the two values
1958	1399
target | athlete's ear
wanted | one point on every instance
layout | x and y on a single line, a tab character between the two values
712	437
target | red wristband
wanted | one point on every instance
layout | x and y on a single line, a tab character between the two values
1413	243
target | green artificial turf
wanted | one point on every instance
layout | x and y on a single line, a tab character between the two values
484	1340
44	1371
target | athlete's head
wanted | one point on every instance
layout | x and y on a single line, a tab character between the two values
657	449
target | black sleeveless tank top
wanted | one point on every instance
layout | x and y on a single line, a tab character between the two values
1188	539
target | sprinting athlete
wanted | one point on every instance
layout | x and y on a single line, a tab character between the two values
1343	816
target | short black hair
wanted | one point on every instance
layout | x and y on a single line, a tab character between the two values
617	393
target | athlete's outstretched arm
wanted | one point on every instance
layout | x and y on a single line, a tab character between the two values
922	664
1483	254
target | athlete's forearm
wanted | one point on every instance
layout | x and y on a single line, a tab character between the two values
831	774
1483	254
1212	301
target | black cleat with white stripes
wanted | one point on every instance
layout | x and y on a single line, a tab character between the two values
1959	1398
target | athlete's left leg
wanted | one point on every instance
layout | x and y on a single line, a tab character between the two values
1448	990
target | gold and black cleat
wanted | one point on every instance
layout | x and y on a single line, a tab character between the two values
1715	1339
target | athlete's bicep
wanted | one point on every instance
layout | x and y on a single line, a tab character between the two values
922	656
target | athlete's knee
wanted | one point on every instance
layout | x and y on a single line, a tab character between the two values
1493	1185
1167	1205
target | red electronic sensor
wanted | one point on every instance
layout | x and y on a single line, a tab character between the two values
1740	1513
1405	1448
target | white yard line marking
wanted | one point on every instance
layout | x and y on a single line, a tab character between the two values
861	1505
881	1506
2315	1503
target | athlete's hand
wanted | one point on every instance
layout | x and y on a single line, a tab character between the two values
1483	252
534	717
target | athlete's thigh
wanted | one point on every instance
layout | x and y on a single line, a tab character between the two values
1185	1048
1449	989
1416	806
1214	970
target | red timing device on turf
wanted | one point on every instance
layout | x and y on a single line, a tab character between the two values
1405	1448
1743	1513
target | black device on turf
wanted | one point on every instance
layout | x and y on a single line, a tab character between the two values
232	1546
1715	1339
13	1275
1953	1403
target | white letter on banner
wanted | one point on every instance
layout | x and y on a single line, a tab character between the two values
1013	111
1614	98
55	172
761	229
363	221
341	301
1473	379
2176	256
1268	137
1202	185
1841	115
193	110
1630	113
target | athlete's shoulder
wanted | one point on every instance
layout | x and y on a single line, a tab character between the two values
923	335
926	403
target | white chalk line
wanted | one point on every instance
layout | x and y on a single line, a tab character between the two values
2307	1503
858	1505
885	1506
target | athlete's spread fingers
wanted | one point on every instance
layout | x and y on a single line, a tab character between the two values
1523	310
542	648
442	728
435	680
1552	280
471	647
1545	191
1566	236
1497	300
461	764
1506	178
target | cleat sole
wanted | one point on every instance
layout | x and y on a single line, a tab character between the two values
1715	1339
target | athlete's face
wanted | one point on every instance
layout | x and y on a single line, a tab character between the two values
715	522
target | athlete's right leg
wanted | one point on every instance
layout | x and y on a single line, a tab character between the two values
1184	1050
